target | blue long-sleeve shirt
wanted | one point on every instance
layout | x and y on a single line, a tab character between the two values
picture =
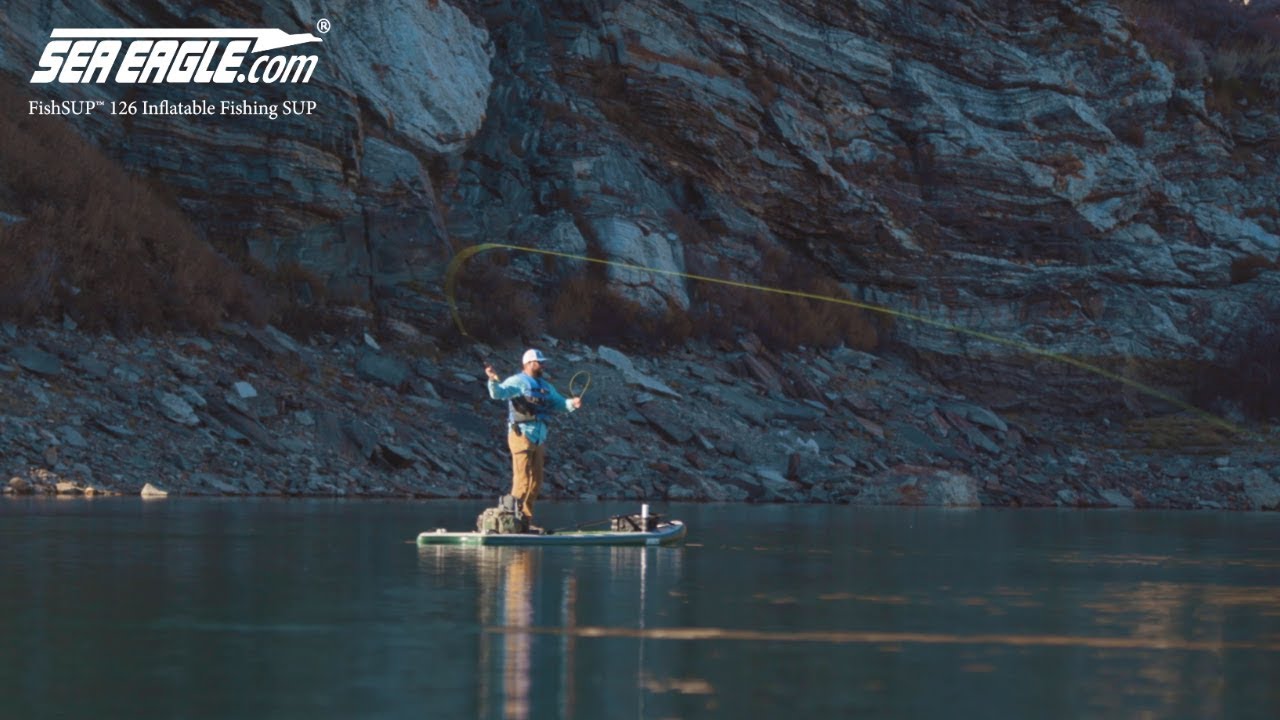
521	384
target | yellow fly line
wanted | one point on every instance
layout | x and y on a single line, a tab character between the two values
467	253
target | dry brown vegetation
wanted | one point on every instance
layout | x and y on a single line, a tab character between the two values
495	306
1250	373
99	244
587	307
788	321
1232	47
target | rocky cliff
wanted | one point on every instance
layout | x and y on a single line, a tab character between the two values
1046	172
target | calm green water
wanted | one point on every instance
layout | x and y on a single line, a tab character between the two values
314	609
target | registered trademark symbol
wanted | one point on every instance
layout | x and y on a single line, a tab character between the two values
323	25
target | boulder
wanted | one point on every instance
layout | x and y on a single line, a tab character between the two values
153	491
71	436
37	361
1116	498
1262	490
631	375
975	414
667	423
917	485
177	409
383	369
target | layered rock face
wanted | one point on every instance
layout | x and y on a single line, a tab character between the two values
1023	169
1026	170
343	193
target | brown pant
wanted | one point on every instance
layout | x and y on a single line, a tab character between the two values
526	470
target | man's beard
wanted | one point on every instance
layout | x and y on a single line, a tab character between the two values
536	372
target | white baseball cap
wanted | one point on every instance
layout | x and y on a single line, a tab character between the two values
532	355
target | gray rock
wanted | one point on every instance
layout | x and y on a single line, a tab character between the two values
383	369
979	440
854	358
975	414
177	409
720	492
275	341
667	423
426	369
247	428
215	483
748	483
363	435
239	404
150	491
680	492
118	429
1116	498
397	456
1262	490
795	412
128	373
192	396
776	487
185	368
621	449
631	375
244	390
72	437
749	408
37	361
872	428
916	485
263	406
196	342
94	367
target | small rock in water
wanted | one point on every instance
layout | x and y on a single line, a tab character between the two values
151	491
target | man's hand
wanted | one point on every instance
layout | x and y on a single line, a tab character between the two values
575	403
493	375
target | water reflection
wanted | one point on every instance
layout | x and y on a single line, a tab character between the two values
521	592
303	610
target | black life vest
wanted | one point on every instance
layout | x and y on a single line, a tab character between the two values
533	404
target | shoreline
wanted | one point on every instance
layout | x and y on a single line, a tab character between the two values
254	412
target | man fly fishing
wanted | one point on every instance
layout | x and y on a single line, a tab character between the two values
530	400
